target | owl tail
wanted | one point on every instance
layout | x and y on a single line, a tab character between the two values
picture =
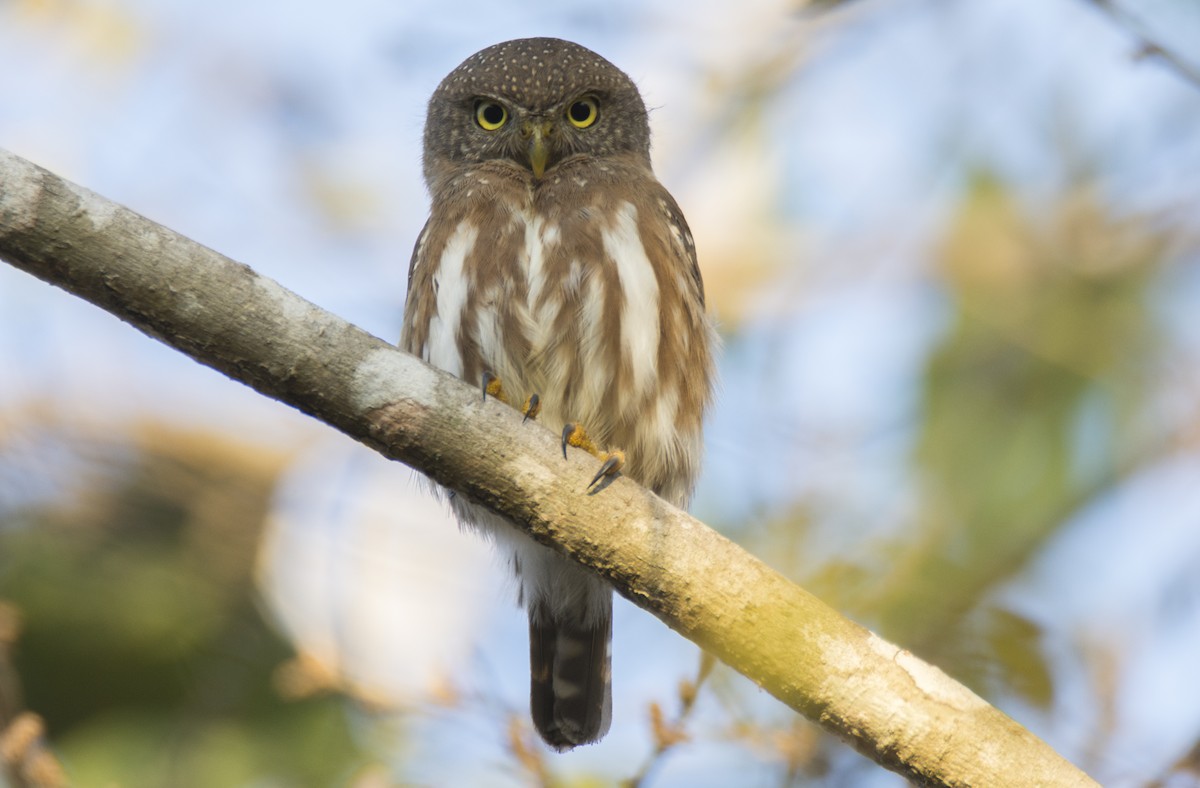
570	691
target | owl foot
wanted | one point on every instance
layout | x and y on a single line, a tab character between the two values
611	461
493	387
533	405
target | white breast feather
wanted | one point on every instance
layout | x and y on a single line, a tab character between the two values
639	310
441	347
539	238
591	345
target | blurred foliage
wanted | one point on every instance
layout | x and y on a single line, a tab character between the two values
1150	37
1033	404
1029	410
142	645
1030	400
1050	337
105	32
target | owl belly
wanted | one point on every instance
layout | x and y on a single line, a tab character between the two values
591	313
566	306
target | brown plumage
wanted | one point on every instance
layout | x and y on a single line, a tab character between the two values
554	261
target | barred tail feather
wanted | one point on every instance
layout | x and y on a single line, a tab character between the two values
570	688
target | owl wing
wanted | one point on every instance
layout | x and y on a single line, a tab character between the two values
416	253
682	235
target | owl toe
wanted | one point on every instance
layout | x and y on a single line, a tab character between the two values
533	406
492	386
613	462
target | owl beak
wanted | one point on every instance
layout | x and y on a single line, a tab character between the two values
538	147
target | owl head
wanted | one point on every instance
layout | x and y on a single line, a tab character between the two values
534	102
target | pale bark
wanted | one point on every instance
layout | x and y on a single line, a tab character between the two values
905	714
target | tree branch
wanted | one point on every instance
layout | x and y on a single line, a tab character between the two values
905	714
1147	46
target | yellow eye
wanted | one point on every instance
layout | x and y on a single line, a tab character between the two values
490	115
583	112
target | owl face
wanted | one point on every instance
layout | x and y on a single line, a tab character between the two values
534	102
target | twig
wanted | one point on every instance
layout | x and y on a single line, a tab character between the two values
25	760
1147	46
669	734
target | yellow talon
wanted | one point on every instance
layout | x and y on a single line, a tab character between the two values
492	386
611	461
533	406
575	435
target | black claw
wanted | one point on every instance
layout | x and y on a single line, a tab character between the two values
566	433
488	377
534	402
605	470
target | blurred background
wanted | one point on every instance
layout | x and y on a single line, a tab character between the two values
954	248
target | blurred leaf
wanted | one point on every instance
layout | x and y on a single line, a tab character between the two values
1048	357
1015	647
142	644
106	31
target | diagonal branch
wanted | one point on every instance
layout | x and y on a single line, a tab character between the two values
1147	46
905	714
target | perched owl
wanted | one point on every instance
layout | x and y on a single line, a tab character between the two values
556	273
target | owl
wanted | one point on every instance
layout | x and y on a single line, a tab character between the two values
556	273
